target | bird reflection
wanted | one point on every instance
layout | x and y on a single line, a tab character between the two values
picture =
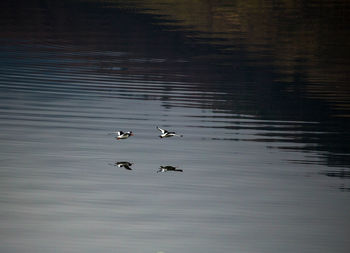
168	168
125	165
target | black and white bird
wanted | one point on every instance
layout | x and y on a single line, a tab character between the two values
166	133
168	168
122	135
125	165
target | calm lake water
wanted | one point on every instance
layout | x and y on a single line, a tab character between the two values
259	90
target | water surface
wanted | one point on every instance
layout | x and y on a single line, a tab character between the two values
263	107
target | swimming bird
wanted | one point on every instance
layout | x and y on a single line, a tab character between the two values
122	135
166	133
168	168
126	165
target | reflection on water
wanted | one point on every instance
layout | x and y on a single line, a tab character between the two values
125	165
303	42
258	89
168	168
342	173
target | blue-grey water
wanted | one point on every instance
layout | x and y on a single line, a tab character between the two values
259	91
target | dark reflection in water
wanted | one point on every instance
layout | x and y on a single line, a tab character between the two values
259	90
168	168
339	173
125	165
273	72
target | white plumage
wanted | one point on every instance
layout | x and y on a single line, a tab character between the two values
166	133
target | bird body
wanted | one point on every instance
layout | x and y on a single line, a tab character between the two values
166	133
122	135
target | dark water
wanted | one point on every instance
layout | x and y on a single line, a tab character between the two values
259	89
